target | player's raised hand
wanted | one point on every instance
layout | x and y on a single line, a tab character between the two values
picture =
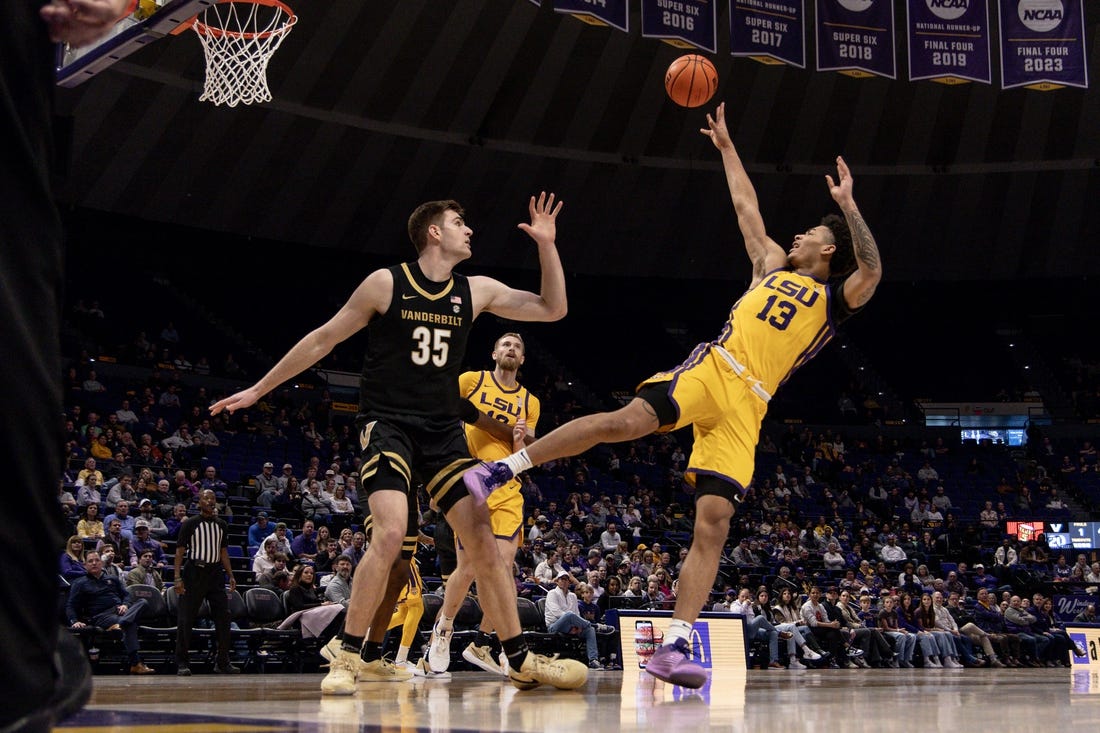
79	22
841	190
716	129
544	218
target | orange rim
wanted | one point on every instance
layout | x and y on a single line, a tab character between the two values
216	32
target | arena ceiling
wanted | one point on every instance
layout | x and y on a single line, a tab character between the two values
380	105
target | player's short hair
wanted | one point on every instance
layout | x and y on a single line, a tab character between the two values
516	336
843	260
427	214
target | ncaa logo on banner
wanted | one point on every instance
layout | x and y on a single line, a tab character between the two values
948	9
856	6
700	644
1041	15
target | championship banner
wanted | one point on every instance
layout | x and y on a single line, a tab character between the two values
1087	639
682	23
949	41
769	31
1043	44
856	37
614	13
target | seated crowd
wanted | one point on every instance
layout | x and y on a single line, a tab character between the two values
845	553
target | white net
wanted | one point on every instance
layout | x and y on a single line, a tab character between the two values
239	39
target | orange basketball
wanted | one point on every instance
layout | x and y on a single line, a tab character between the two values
691	80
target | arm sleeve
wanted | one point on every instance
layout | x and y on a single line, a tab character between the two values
468	412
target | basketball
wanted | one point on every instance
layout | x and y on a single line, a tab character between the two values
691	80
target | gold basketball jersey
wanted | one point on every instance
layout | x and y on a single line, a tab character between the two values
501	404
776	327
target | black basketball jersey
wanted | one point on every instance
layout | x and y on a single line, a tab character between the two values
416	349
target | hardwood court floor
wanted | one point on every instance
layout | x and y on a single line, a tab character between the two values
838	701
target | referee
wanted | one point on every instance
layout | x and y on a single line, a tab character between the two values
204	539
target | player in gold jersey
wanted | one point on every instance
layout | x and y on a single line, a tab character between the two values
789	312
498	395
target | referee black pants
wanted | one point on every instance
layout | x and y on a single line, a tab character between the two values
199	584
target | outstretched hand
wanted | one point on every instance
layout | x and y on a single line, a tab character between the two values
544	219
244	398
716	129
79	22
842	190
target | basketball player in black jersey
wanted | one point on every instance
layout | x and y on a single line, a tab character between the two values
420	314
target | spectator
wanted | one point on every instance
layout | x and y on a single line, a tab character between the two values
816	617
357	550
145	572
339	588
562	617
1005	555
905	642
212	482
72	560
757	626
90	527
610	538
144	542
267	485
1088	615
304	545
314	505
117	546
259	530
339	503
964	624
158	530
283	537
325	561
269	577
944	639
264	559
103	601
941	501
174	522
988	618
890	552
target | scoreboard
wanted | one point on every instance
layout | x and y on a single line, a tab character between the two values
1073	535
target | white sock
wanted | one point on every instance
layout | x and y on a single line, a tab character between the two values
445	622
677	630
518	462
402	655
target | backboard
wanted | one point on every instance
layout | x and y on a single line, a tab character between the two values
128	35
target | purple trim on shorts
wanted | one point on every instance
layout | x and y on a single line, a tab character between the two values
734	483
458	542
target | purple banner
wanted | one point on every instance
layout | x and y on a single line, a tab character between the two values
614	13
769	31
681	23
856	37
1066	607
949	41
1043	44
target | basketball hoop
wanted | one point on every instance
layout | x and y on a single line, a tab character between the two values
239	37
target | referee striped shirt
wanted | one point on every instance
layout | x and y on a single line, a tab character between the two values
204	538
